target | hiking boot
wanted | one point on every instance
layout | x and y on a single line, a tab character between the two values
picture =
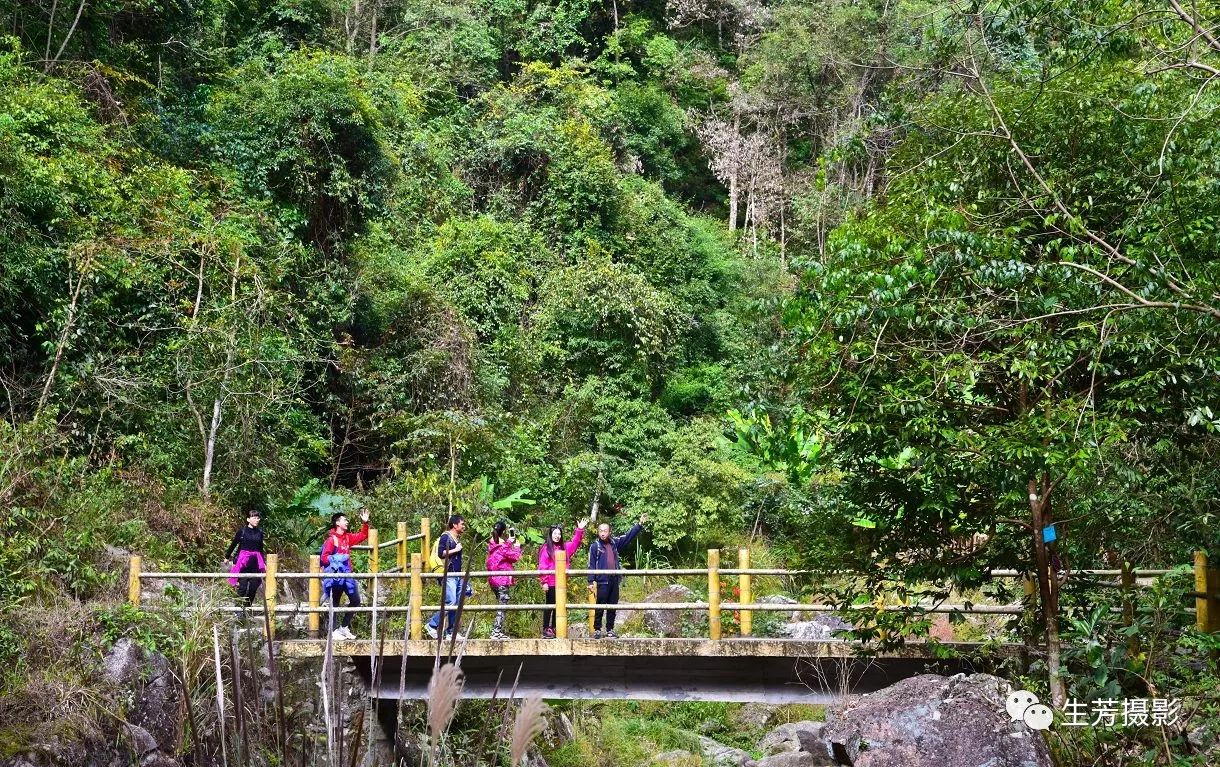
430	630
548	633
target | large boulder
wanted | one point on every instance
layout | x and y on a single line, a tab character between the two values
819	629
794	759
676	758
144	726
717	754
661	622
934	721
755	716
156	699
795	736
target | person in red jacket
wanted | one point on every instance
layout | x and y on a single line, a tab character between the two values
337	558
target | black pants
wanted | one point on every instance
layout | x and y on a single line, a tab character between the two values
548	615
607	594
353	600
248	587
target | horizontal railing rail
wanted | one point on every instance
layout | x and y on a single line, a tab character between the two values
408	566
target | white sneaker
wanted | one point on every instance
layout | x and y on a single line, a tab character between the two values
343	633
431	632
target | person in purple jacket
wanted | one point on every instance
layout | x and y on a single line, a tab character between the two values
546	561
503	551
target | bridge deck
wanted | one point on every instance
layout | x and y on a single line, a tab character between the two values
735	670
745	647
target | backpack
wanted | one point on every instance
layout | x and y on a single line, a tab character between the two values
435	563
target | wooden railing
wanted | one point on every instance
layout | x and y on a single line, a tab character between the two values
409	567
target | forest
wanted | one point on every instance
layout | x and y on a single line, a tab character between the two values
884	285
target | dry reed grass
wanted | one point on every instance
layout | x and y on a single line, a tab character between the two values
531	718
444	694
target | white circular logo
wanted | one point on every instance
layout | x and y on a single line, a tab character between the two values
1018	701
1039	717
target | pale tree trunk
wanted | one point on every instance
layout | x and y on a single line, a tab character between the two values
1048	589
71	31
209	449
734	165
62	343
373	35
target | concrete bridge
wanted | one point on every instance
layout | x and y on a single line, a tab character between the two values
730	669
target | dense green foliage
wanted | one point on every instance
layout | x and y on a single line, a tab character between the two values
854	276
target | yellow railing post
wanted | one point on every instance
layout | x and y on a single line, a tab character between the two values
269	589
375	551
743	585
713	593
133	579
425	527
592	591
417	597
315	596
402	547
561	593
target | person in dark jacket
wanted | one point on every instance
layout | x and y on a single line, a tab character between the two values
247	545
605	554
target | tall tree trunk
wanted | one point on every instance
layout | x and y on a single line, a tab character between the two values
734	164
1048	588
64	335
209	449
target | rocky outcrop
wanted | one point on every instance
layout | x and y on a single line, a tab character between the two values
666	622
144	729
819	629
803	736
719	755
924	721
755	716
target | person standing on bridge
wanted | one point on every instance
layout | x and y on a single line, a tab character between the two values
336	557
546	562
502	551
248	546
449	549
605	554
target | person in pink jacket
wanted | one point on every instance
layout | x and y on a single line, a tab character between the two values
503	551
546	561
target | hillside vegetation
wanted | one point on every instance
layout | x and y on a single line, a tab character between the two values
888	286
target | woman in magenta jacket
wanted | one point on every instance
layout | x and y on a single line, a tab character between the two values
502	552
546	562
